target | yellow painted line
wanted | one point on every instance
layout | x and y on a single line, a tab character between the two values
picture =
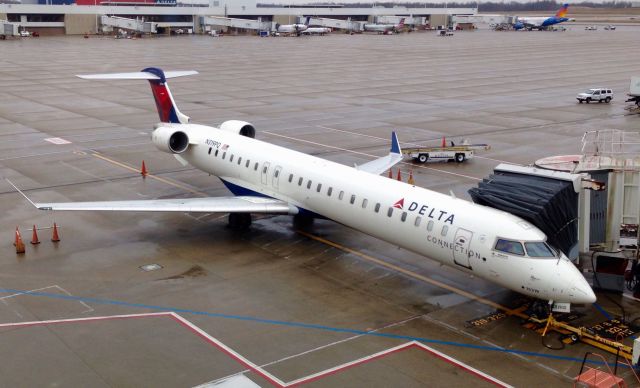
163	180
414	275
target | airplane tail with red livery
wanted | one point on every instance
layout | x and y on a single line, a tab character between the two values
167	109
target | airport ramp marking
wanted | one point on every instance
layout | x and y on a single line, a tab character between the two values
406	142
368	155
152	176
259	370
88	310
415	275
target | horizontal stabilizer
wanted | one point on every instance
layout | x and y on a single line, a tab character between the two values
138	75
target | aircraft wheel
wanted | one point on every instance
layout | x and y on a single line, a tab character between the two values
422	158
239	221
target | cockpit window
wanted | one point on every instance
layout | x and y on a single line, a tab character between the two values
508	246
538	249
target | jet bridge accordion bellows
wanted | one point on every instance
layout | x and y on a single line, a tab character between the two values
549	204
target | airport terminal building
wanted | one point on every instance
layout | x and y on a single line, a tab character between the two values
71	17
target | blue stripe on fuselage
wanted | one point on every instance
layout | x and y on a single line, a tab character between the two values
243	191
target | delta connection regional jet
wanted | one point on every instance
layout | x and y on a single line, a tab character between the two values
266	178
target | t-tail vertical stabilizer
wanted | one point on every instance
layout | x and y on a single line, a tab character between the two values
167	109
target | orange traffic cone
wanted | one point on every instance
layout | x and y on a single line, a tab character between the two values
18	243
399	175
411	181
55	237
143	170
444	142
34	238
390	174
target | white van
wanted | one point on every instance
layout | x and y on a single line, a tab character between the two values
598	94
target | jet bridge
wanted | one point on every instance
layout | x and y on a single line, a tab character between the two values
8	29
347	25
137	25
247	24
547	199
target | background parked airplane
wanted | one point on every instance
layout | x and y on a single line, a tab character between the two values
385	28
542	22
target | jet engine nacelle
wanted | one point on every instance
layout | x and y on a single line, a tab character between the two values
242	128
171	140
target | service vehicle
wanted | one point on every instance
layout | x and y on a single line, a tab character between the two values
610	28
457	153
596	94
634	91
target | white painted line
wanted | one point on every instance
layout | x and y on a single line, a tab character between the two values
57	140
259	370
370	155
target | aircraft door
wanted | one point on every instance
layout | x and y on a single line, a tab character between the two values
265	173
461	247
276	176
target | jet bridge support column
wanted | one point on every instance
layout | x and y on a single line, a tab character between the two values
614	210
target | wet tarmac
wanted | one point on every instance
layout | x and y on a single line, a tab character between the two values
328	306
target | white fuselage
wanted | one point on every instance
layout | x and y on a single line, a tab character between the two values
292	28
317	30
453	231
379	27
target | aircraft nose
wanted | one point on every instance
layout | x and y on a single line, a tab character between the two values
580	291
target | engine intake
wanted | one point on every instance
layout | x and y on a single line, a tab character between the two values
241	128
170	140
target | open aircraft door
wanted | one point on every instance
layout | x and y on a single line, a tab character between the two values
462	243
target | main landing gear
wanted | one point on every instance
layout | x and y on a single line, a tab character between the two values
239	221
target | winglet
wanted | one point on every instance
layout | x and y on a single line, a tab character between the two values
395	144
23	194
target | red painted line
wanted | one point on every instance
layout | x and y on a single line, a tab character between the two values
349	366
258	370
241	361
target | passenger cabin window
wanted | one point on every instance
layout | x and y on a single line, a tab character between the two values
364	203
239	160
390	212
264	170
300	181
329	191
353	199
309	184
248	163
341	195
290	177
224	154
377	208
404	216
418	220
210	148
509	246
430	226
255	167
538	249
276	173
216	153
445	230
319	187
231	158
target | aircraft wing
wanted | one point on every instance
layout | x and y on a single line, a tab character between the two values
244	204
380	165
241	204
